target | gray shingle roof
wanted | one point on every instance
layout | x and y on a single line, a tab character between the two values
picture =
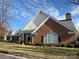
36	21
39	19
68	24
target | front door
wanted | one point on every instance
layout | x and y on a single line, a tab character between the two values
29	39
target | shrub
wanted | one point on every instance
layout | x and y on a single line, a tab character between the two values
71	45
37	44
77	45
62	45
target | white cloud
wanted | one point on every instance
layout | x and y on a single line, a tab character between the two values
62	17
35	5
74	12
53	11
25	14
43	5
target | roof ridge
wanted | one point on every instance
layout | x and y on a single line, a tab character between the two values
53	18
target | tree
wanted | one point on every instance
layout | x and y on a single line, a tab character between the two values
75	2
3	18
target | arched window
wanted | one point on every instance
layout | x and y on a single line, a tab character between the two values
51	38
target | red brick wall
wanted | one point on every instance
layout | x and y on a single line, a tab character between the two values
52	26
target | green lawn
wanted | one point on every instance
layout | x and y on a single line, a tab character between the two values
44	52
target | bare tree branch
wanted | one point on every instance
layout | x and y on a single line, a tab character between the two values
3	18
75	2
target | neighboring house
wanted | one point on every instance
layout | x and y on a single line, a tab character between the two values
13	37
44	29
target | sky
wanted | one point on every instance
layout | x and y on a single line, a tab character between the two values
22	11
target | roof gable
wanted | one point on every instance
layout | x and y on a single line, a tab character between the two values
40	25
36	21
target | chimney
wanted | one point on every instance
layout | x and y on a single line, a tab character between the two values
68	16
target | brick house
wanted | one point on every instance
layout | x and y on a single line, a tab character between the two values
44	29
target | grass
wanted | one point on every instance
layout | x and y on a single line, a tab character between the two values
39	51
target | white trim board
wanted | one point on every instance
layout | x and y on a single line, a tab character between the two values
40	25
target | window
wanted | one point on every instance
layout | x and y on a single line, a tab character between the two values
51	38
